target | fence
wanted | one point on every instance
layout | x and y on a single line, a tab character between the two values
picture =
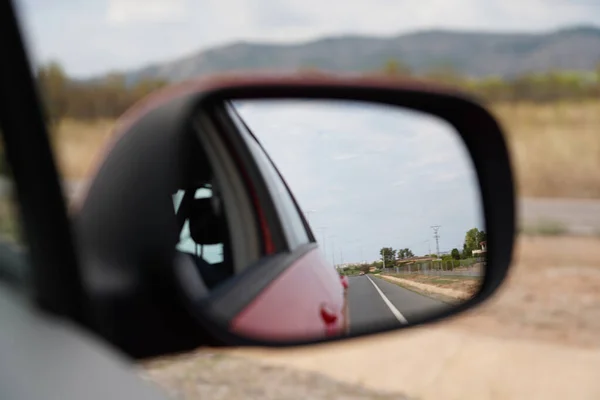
469	267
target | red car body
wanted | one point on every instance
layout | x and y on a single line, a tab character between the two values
307	300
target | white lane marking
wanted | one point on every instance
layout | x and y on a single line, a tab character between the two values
388	303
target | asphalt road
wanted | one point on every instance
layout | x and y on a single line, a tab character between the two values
390	305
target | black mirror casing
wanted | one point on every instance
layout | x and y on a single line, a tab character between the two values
134	298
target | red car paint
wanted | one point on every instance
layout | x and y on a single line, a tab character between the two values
344	281
307	301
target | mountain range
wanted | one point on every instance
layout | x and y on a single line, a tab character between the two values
475	54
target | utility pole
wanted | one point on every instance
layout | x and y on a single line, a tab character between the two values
436	235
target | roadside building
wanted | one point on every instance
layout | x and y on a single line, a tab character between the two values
481	253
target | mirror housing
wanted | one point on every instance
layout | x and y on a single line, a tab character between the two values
134	295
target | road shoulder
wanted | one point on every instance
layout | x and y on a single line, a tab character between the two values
446	295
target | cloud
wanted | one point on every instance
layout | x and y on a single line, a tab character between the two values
343	157
129	11
447	176
304	19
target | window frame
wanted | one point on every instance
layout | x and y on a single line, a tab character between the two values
277	187
239	213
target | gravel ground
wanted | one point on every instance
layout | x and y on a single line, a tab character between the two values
216	376
552	294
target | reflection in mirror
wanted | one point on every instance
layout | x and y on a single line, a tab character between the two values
391	196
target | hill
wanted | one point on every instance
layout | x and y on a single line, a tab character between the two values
475	54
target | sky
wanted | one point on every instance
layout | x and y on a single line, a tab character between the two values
91	37
373	176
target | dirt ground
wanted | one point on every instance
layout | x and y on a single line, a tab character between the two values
552	294
464	284
216	376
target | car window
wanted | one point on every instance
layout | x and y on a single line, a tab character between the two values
212	253
288	211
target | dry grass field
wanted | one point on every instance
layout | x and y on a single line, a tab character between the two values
78	143
555	147
552	294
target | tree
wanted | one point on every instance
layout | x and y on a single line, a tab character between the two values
311	70
404	253
394	67
388	256
473	238
446	73
492	89
481	237
455	254
146	86
401	254
114	97
465	253
53	84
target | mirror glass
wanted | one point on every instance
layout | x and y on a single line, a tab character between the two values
390	197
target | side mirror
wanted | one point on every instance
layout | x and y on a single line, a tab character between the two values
193	232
